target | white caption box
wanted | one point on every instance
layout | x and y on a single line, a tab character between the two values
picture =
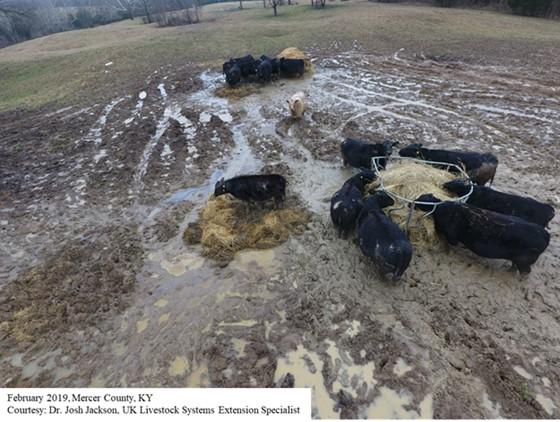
127	404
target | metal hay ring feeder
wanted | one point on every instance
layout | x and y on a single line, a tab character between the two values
410	203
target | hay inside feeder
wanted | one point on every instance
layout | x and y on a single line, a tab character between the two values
411	179
296	53
229	225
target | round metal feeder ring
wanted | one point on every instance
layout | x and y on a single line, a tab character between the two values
410	203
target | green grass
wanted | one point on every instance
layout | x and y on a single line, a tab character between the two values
57	67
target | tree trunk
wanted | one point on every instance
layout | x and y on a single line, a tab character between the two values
241	4
274	6
264	4
147	11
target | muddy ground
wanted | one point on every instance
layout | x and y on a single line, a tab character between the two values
98	288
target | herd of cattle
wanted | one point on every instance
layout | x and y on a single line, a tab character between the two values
263	70
491	224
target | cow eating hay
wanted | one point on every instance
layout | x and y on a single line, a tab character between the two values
228	225
296	53
410	180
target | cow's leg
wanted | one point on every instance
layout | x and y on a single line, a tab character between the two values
512	268
523	264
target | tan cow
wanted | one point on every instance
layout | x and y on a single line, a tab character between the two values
297	105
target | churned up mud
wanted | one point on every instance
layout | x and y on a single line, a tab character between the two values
101	286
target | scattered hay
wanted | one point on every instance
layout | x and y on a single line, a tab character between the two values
238	92
296	53
411	179
192	234
229	225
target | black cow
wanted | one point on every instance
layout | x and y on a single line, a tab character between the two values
292	67
381	239
247	64
275	65
519	206
346	203
233	75
264	70
487	233
254	188
481	167
357	153
227	65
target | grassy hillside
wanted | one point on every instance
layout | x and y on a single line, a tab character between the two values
55	67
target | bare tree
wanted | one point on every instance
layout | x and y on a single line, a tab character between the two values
126	7
12	8
145	6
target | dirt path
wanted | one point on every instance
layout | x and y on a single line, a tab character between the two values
99	289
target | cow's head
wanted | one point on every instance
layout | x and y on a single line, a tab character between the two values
427	197
383	199
459	187
233	75
367	176
413	150
220	188
377	200
388	147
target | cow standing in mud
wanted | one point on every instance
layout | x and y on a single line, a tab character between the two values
381	239
481	167
292	67
346	203
254	188
242	67
264	70
504	203
358	153
297	105
233	75
487	233
267	64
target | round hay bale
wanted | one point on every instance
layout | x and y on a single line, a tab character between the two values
296	53
411	179
228	225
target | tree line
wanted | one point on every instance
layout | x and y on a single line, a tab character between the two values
21	20
536	8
